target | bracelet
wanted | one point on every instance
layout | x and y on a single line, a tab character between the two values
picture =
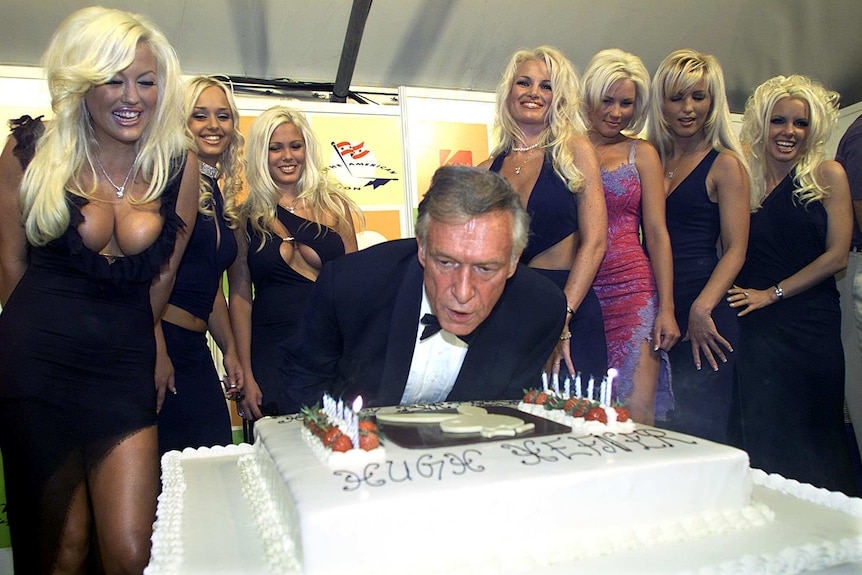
565	336
569	309
778	291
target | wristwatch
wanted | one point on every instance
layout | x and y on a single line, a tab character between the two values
778	291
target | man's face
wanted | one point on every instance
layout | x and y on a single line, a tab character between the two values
466	268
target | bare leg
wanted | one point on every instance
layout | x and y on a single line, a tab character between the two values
75	538
641	402
123	489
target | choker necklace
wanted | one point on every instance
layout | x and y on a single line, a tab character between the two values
208	170
121	190
525	148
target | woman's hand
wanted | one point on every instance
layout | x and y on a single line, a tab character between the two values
665	332
233	370
562	353
751	299
705	338
249	406
164	376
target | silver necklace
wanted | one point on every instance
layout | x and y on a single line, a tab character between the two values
525	148
524	161
208	170
121	190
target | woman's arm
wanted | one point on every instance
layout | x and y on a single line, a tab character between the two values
163	283
728	181
593	234
592	224
666	331
240	298
349	235
13	240
839	231
220	328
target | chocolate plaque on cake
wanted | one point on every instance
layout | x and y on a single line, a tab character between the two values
414	428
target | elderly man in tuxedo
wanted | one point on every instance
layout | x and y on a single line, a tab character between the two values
450	315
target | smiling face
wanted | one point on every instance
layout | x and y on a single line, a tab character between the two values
122	108
615	110
286	156
211	124
466	268
686	112
531	94
789	126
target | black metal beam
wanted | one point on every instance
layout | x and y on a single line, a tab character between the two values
350	51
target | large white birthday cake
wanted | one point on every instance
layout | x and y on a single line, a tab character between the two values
538	501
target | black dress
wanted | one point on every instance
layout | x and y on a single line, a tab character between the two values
197	415
702	398
553	217
279	298
77	355
791	363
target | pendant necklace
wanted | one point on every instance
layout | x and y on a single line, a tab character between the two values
121	190
526	159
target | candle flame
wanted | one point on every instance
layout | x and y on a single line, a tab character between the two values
357	404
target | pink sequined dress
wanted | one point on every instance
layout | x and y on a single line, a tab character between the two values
625	284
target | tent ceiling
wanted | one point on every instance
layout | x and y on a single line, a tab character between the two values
464	44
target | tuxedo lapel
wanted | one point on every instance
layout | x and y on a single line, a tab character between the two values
402	335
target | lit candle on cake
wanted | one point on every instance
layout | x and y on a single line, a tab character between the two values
354	421
556	382
578	385
590	388
544	381
603	388
567	388
612	375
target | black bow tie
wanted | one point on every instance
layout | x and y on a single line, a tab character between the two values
432	326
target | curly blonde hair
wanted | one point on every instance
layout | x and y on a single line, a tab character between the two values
88	48
325	198
823	117
232	162
563	121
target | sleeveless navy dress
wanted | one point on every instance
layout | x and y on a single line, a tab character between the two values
280	293
553	217
702	398
791	362
197	415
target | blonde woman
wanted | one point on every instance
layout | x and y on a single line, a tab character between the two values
543	152
791	364
107	205
706	184
195	415
635	291
295	220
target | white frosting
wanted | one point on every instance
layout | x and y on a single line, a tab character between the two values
579	424
610	494
659	502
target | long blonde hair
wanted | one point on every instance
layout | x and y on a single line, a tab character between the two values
325	199
89	47
564	119
231	163
823	117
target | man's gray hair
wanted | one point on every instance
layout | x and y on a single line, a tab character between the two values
460	193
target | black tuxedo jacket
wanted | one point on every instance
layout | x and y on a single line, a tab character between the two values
359	327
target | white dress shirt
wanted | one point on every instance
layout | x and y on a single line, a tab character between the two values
436	363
